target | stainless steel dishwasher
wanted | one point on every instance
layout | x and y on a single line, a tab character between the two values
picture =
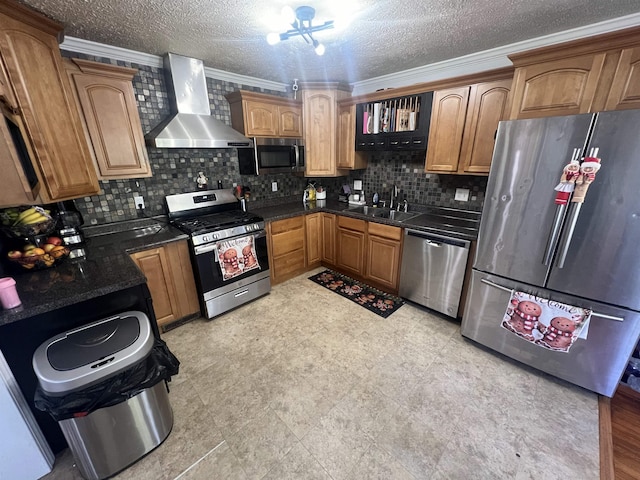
433	268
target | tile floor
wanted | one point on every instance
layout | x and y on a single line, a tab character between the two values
304	384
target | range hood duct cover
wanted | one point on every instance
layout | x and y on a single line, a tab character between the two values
191	124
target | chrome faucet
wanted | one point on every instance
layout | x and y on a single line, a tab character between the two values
405	205
394	196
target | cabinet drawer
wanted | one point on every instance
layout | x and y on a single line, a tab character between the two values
287	264
286	242
386	231
351	223
287	224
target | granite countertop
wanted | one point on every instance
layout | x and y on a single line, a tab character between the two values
106	268
462	224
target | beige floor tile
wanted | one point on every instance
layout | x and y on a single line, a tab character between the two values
298	464
261	444
337	443
414	444
376	464
218	464
301	406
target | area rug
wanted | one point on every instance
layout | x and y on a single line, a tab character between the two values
368	297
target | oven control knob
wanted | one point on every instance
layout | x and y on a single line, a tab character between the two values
205	239
248	228
215	236
255	226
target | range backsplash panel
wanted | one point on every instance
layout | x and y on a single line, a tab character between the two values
175	170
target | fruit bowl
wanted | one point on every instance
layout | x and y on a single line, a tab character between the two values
21	222
41	228
31	261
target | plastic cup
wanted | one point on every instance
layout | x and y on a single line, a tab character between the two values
8	294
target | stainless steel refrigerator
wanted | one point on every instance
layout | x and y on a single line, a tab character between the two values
585	255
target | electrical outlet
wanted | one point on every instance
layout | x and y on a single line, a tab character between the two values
274	186
139	201
462	194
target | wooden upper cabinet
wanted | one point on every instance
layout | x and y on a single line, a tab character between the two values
320	126
261	115
625	88
561	87
586	75
448	116
261	119
290	120
319	111
488	104
464	121
107	103
31	56
347	157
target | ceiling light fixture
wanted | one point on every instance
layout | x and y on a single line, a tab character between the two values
302	26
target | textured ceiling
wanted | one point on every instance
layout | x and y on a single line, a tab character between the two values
383	37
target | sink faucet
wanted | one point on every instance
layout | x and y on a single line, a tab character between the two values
394	196
405	205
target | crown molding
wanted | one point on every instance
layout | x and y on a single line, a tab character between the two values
87	47
487	59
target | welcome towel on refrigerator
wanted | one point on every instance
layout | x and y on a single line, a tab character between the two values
549	324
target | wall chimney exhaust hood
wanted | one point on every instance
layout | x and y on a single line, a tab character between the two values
190	124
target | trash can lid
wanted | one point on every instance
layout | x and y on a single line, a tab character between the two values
92	353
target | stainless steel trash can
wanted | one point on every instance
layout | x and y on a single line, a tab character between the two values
108	439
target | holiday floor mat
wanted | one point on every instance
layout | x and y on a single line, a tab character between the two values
368	297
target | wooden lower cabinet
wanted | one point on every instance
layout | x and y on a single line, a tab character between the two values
170	281
287	253
351	235
384	247
366	251
328	239
313	231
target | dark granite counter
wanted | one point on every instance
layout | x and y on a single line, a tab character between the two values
106	268
452	222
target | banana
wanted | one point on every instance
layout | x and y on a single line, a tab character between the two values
26	213
33	218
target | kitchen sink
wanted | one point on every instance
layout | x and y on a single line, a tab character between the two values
384	213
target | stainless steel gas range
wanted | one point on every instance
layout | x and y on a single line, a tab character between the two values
228	248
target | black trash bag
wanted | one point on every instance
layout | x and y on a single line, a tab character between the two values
159	365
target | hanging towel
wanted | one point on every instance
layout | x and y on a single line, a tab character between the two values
236	256
544	322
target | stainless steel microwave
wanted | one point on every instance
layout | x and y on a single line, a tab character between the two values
272	155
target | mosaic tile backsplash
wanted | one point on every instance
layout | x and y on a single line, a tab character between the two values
175	170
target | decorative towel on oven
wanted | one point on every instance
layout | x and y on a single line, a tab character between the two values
549	324
236	256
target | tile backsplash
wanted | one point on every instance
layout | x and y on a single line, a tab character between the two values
175	170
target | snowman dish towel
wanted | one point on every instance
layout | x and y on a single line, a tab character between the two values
549	324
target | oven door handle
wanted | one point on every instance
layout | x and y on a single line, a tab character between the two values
210	247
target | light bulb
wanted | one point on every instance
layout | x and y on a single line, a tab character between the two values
288	15
319	48
273	38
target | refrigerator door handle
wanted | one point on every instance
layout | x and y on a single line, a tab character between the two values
507	289
554	235
556	228
566	241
